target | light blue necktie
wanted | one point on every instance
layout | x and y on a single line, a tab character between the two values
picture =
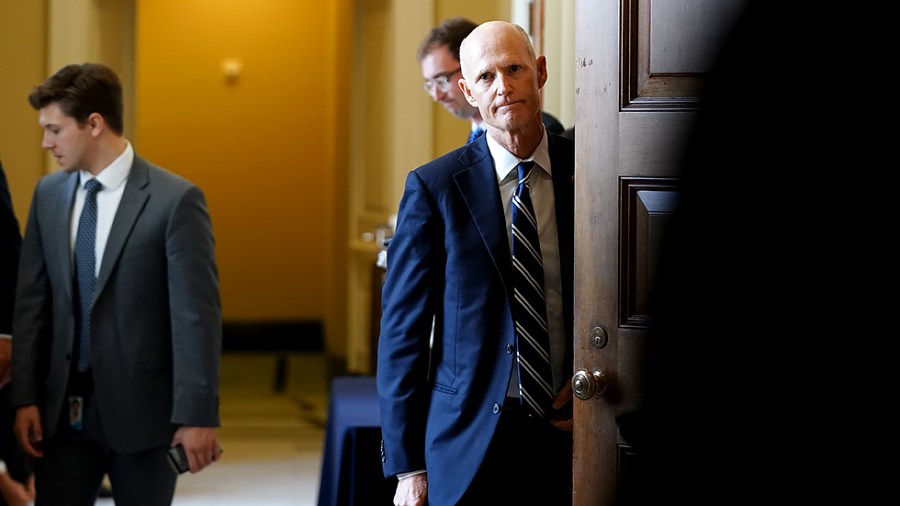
529	310
85	267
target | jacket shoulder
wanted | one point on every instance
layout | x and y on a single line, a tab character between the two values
156	174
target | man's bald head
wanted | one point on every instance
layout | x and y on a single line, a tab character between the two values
489	30
503	78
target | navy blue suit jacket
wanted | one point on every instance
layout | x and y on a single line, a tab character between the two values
10	244
450	259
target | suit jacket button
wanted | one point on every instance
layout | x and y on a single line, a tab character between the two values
495	409
510	349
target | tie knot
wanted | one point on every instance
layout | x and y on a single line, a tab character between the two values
524	170
92	186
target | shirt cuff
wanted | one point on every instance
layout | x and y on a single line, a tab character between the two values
401	476
5	336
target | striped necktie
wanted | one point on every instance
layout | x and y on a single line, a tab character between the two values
529	310
85	268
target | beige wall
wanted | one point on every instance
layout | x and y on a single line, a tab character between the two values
261	143
23	64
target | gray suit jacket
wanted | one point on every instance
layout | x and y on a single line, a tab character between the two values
156	321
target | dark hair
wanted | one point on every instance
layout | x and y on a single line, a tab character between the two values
450	32
81	90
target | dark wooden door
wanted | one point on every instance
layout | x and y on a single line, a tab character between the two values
640	68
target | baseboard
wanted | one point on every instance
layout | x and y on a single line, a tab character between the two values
269	336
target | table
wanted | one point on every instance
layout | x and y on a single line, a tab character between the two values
351	460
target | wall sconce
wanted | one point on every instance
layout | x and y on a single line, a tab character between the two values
231	68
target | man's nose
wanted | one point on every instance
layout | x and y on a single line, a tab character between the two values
501	84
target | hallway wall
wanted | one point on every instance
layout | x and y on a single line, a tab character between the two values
23	49
260	141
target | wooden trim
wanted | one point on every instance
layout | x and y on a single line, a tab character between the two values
640	88
537	25
643	227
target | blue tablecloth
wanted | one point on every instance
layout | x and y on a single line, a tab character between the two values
351	461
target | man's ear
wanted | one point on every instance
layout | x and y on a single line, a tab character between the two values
541	64
96	123
464	87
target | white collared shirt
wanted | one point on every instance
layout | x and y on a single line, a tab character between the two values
545	209
113	179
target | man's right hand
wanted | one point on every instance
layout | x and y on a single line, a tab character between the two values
412	490
28	430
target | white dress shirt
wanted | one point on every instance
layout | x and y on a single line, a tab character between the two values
113	179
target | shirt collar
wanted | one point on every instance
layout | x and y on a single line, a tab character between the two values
505	162
115	173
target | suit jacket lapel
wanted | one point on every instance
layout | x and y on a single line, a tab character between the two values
62	250
477	184
134	197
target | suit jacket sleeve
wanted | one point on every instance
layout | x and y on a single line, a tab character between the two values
410	290
195	312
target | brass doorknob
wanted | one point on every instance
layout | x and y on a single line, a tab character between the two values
587	384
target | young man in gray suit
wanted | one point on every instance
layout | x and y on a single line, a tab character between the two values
117	326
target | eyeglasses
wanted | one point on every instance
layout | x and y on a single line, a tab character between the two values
441	82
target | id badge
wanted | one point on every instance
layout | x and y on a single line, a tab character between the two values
76	411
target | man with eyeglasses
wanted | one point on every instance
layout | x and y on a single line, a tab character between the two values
439	56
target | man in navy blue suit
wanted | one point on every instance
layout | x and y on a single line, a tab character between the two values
16	480
10	245
454	429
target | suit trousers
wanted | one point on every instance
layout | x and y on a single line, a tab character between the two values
528	461
75	461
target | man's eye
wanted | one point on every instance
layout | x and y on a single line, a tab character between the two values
484	77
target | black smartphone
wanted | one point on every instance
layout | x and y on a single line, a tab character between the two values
178	460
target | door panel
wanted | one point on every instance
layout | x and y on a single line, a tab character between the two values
640	71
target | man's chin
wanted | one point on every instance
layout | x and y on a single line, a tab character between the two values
514	120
